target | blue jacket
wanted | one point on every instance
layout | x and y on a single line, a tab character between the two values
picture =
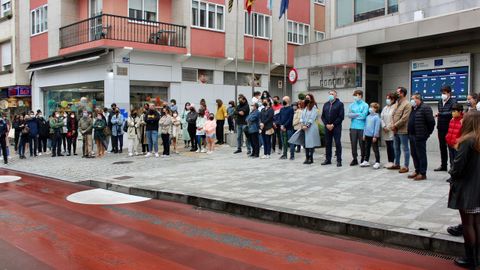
286	117
372	126
358	112
333	113
253	122
117	125
33	126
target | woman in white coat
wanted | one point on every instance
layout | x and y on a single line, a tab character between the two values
310	126
133	133
388	135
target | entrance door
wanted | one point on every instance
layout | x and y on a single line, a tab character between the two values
96	27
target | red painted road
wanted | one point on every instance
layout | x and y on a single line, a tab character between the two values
39	230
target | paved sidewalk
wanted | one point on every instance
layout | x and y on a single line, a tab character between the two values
363	194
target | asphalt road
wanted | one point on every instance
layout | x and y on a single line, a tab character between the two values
40	229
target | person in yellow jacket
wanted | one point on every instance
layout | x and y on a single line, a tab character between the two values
220	117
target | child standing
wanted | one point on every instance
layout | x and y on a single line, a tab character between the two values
454	130
230	112
371	134
200	133
210	128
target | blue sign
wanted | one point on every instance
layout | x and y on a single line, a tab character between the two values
19	91
428	83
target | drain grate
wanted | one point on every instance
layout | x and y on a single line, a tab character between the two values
123	177
122	162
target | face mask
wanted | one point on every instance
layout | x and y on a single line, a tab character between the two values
389	101
275	102
32	115
175	115
211	118
64	115
57	115
85	114
331	98
284	103
371	110
265	104
356	98
413	102
229	105
444	97
72	116
99	117
307	101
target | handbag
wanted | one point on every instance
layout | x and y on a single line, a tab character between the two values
11	134
107	131
69	134
26	130
270	131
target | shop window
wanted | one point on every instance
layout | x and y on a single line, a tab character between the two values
139	95
74	98
6	56
298	33
6	8
39	20
142	10
244	79
208	15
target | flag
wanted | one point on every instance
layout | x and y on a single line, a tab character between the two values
230	5
269	4
249	5
283	7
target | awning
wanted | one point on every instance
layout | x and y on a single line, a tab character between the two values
67	60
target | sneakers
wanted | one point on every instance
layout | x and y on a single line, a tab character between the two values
388	165
156	155
40	154
136	153
148	154
130	154
365	164
376	166
203	151
198	151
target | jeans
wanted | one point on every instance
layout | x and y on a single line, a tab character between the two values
277	137
335	134
401	140
152	138
166	144
56	144
285	137
33	142
255	144
240	133
200	140
356	137
370	144
267	144
444	149
220	130
390	151
419	154
21	145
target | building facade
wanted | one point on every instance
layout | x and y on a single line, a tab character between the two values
88	53
15	92
377	46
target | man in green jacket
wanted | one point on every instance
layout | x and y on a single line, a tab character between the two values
56	125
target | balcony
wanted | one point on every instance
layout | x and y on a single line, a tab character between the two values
122	30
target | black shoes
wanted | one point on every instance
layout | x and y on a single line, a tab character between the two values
238	151
292	158
283	157
463	262
455	230
339	164
440	169
308	161
354	162
326	162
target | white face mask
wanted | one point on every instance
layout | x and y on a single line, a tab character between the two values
389	101
413	103
444	97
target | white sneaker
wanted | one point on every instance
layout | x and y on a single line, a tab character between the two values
156	155
203	151
263	157
148	154
268	156
163	156
198	151
136	153
365	164
39	154
130	154
376	166
209	152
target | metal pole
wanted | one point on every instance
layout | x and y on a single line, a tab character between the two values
236	54
254	31
286	56
270	51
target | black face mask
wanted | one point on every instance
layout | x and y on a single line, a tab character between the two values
134	115
275	102
211	118
192	110
307	101
265	104
284	103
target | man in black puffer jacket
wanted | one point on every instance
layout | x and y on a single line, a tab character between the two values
241	113
43	133
420	126
444	116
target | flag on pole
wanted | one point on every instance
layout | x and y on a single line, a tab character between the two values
230	5
269	4
283	7
249	5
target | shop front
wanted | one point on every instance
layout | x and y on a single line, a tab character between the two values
16	100
148	92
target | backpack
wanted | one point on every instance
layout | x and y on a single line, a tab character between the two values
125	127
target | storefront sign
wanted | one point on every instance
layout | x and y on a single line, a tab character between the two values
335	76
19	91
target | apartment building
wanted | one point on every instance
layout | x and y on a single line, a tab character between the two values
15	92
88	53
380	45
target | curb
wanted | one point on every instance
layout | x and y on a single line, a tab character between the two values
381	233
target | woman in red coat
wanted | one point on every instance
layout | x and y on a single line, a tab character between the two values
454	129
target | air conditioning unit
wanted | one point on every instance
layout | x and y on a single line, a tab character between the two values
418	15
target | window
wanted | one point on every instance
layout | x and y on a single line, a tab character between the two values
261	24
142	9
349	11
392	6
319	35
6	56
244	79
298	33
202	76
208	15
366	9
6	7
39	20
322	2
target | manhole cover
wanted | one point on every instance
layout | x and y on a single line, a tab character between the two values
122	162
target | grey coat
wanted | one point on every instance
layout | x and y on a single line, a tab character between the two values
312	134
465	187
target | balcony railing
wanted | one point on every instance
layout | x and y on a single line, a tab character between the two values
113	27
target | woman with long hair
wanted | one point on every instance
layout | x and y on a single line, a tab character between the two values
99	135
185	134
310	126
465	188
386	116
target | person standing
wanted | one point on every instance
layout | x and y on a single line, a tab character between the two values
277	137
142	129
173	106
358	112
99	126
285	120
210	129
185	135
117	122
444	116
32	124
85	127
108	118
386	116
43	133
298	107
420	126
230	112
371	136
220	116
241	113
72	135
64	132
454	130
3	139
399	126
200	130
176	130
472	101
266	126
165	124
133	134
18	123
151	120
56	126
310	127
253	127
191	120
333	114
465	188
